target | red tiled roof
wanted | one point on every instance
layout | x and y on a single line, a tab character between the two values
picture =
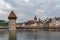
57	18
12	14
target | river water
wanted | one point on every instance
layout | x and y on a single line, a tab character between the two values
31	35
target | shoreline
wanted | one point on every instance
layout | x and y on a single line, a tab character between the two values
32	29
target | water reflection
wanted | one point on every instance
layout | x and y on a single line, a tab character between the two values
38	35
4	35
12	34
31	35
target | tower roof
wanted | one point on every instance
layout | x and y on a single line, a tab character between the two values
12	15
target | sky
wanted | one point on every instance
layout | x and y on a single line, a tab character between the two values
26	9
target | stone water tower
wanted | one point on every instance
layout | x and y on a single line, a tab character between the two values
12	26
12	21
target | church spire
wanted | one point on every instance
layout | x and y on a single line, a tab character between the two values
35	18
39	19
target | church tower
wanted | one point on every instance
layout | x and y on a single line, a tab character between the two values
35	19
39	19
12	21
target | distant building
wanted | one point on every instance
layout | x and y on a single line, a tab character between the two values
31	23
55	22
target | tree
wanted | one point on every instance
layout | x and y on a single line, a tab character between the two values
46	23
3	23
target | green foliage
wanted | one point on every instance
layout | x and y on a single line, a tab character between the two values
3	23
46	23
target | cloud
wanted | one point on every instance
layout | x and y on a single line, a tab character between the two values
40	12
57	6
3	12
26	1
4	9
25	9
3	4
